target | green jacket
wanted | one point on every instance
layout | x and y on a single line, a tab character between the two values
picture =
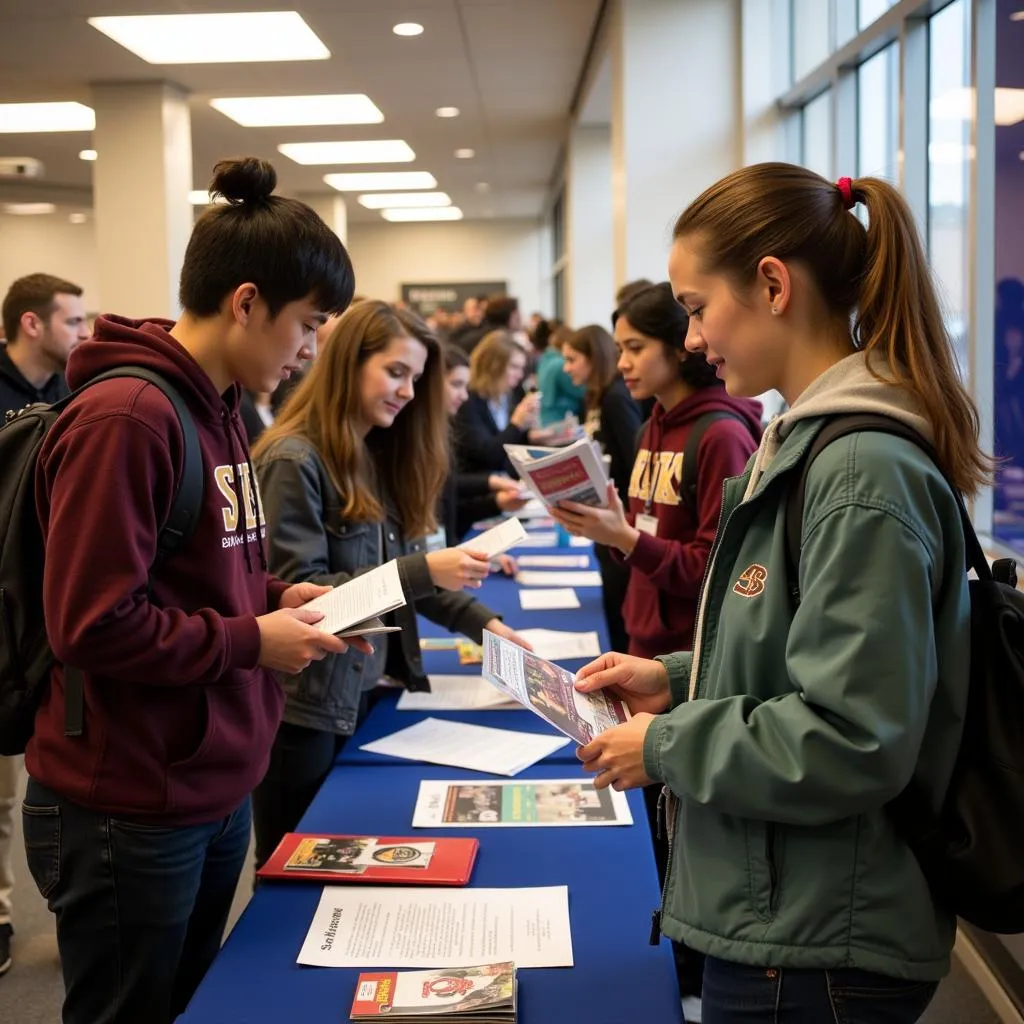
794	728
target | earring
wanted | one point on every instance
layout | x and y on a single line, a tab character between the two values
775	310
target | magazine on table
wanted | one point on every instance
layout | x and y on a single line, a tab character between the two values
550	691
574	473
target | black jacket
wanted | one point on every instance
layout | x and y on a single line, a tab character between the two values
479	445
467	338
467	499
16	392
620	422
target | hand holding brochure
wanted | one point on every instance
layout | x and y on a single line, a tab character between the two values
575	473
354	608
549	691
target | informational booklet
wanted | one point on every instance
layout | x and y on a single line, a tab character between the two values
477	747
561	645
542	578
379	927
354	608
466	994
308	857
575	473
501	804
456	693
550	691
553	561
543	600
497	540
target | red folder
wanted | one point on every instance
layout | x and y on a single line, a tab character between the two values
423	860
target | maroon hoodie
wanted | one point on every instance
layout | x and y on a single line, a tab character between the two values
667	570
179	718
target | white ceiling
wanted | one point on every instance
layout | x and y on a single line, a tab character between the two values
510	66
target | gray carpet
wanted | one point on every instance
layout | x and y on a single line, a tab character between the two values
30	993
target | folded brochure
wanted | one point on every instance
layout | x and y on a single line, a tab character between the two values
550	691
354	608
575	473
468	994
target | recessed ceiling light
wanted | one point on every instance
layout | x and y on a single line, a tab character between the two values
447	111
958	105
28	209
214	38
371	151
441	213
46	117
372	181
483	186
87	154
408	28
200	197
465	154
276	111
389	200
78	218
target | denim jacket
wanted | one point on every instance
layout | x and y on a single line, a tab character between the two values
309	540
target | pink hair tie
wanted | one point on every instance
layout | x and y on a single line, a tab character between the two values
845	186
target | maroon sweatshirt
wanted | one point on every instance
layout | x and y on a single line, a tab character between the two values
179	718
667	570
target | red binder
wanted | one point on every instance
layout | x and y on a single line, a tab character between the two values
422	860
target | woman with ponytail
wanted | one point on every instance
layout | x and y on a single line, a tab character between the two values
783	736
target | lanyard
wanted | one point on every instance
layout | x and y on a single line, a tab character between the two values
648	481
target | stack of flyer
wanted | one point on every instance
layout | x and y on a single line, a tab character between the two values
466	994
575	473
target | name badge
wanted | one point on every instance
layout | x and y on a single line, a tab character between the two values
647	524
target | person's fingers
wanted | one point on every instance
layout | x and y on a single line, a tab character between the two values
616	675
306	615
605	661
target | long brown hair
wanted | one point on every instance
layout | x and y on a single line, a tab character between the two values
880	276
488	364
594	342
408	462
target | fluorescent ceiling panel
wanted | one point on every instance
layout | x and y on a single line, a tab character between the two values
46	117
87	154
28	209
370	181
442	213
370	151
214	38
387	200
279	111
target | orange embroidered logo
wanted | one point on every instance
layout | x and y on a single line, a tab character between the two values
752	582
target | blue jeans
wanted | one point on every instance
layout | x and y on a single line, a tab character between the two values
140	908
739	994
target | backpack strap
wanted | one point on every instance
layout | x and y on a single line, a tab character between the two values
841	426
691	467
176	530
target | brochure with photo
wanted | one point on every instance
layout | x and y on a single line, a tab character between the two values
575	473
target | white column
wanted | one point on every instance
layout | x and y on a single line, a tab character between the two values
677	118
590	293
333	212
142	178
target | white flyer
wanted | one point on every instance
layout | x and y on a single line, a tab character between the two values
541	578
530	803
497	540
456	693
536	600
377	927
477	747
561	645
539	539
553	561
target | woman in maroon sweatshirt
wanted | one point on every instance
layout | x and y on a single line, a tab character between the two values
665	538
137	829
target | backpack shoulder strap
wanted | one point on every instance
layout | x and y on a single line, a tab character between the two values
841	426
691	469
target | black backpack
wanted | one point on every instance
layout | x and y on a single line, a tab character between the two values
972	852
25	655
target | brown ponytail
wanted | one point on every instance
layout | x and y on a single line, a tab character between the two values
879	276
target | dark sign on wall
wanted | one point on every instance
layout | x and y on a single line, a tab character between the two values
426	298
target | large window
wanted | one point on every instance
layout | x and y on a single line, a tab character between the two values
878	99
949	162
812	37
816	135
869	11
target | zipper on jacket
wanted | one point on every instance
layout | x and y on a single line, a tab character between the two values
663	798
773	871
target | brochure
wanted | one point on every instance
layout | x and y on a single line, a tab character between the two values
354	608
549	691
575	473
504	804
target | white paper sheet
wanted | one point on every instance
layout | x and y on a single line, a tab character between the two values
580	542
553	561
539	539
365	597
557	645
456	693
531	803
535	578
379	927
497	540
477	747
543	600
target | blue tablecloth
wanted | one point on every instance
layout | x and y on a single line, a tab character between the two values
618	977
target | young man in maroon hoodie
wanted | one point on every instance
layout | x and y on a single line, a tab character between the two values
136	831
